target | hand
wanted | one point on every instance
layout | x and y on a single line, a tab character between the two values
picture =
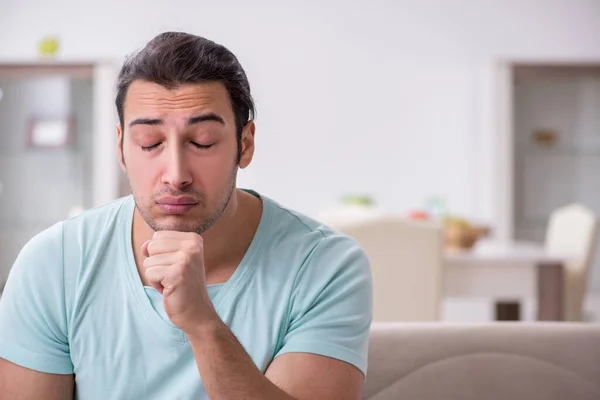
175	267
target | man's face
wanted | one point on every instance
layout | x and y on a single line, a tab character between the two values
180	153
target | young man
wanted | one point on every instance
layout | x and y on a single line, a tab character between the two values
190	288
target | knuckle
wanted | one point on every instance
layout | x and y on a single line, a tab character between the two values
184	258
151	246
193	246
149	272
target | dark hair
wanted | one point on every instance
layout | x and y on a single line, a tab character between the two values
172	59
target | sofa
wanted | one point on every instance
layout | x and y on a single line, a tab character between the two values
484	361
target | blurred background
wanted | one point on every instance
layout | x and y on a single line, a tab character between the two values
479	117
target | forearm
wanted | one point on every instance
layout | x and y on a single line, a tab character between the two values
227	371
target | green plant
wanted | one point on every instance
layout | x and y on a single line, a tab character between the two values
360	200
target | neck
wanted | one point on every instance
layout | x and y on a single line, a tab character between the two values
225	243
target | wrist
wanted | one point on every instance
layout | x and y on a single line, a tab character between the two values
205	327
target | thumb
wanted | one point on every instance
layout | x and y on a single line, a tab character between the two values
145	248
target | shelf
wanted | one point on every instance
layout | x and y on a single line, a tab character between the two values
47	67
558	152
13	223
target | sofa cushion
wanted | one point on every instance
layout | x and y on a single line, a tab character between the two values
484	361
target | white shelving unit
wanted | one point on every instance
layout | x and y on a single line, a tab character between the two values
41	186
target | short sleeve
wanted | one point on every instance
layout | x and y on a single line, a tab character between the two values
33	323
331	305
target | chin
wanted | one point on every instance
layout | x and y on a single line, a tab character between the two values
175	223
181	223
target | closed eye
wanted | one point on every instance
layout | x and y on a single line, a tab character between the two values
202	146
197	145
150	148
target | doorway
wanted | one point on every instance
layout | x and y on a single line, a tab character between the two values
555	146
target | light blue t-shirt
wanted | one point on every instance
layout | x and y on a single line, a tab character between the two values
74	303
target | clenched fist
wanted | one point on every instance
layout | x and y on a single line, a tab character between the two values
175	267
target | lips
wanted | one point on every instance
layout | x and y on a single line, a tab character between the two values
177	205
183	200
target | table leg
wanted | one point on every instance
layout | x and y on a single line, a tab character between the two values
508	311
550	292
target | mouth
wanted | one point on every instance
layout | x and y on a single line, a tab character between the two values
177	205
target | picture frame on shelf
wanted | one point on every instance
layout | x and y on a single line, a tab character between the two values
50	133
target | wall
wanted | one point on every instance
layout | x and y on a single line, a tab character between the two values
395	99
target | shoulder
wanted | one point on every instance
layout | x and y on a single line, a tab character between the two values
99	217
46	246
291	225
318	250
90	231
47	250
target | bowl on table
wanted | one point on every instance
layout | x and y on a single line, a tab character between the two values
460	235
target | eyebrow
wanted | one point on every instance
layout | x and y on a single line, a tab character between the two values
191	121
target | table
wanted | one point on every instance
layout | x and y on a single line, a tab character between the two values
507	272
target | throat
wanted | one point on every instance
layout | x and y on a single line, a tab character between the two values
221	275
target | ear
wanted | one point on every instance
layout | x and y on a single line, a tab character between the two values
120	147
247	144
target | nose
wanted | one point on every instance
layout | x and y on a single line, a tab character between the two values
177	174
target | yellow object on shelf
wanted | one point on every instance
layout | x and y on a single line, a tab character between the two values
48	46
